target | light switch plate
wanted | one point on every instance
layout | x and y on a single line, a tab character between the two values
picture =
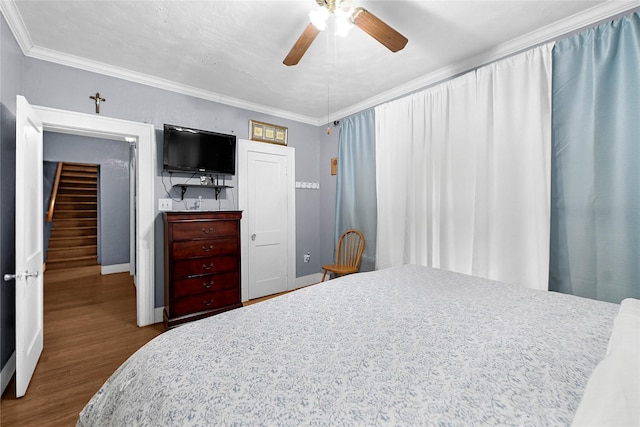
164	205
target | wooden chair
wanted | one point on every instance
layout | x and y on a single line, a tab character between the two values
348	254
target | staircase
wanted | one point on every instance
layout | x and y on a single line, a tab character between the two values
74	235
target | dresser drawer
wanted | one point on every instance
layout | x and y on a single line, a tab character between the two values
203	302
205	284
204	229
204	248
200	266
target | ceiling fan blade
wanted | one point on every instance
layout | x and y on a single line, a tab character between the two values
302	44
372	25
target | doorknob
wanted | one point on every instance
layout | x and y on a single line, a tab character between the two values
253	236
26	275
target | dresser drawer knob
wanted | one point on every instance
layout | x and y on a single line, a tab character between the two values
207	249
207	285
204	230
207	267
207	303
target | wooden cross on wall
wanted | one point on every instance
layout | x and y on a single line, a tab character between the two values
97	100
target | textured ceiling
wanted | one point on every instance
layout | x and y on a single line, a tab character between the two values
232	51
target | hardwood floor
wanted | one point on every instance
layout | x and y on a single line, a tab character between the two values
253	301
89	330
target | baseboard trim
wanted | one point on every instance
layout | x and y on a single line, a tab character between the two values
114	268
7	372
310	279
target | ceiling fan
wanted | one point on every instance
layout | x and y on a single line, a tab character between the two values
346	16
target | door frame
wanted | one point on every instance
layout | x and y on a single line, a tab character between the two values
133	158
143	134
244	147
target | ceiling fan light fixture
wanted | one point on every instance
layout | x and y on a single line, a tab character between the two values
343	18
319	18
343	25
346	7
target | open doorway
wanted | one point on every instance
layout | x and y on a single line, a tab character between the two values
87	198
142	135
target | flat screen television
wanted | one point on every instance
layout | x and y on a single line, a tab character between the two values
195	150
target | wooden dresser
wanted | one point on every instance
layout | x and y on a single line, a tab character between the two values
201	264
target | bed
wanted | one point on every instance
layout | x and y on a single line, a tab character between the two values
406	345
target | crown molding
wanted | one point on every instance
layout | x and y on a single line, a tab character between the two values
16	24
148	80
592	16
549	33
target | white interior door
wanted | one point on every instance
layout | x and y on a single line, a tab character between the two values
267	176
29	218
266	187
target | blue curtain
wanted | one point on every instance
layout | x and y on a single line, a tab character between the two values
356	182
595	185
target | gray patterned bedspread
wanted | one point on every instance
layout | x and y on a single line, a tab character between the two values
402	346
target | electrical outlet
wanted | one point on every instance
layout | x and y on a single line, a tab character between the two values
307	257
164	204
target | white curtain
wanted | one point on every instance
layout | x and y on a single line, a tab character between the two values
463	173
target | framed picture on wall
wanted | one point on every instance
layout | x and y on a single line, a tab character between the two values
266	132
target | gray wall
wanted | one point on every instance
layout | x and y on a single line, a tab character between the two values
328	149
11	84
113	158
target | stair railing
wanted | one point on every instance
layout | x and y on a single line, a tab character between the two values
54	193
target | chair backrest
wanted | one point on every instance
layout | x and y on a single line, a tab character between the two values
350	248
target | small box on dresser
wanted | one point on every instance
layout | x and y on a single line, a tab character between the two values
201	264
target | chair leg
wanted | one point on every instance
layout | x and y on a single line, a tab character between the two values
325	273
